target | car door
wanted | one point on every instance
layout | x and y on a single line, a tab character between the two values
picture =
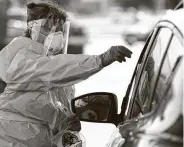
167	95
143	80
168	90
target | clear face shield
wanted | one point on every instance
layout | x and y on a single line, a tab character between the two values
66	36
55	42
36	27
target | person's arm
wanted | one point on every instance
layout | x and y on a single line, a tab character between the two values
61	70
30	71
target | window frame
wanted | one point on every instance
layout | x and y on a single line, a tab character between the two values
138	71
174	32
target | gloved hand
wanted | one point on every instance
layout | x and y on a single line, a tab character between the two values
115	53
70	123
73	123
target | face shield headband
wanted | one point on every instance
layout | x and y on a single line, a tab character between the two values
55	42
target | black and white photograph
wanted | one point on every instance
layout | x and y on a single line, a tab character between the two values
91	73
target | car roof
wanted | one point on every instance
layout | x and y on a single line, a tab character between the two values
176	17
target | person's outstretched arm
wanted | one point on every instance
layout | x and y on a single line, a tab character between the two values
61	70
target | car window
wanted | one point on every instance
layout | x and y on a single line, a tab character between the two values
148	75
175	50
169	113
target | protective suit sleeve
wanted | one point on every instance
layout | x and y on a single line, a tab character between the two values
42	71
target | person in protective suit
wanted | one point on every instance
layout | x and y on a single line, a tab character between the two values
35	104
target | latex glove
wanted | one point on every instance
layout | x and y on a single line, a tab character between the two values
70	123
73	123
115	53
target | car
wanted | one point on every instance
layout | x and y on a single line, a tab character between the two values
152	108
17	24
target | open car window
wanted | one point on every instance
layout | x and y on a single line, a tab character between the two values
146	77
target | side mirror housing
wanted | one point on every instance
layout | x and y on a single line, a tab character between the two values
100	107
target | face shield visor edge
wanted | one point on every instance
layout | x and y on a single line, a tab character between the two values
55	42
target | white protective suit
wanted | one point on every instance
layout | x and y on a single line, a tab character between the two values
29	109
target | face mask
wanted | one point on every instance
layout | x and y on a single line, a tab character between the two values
54	43
57	42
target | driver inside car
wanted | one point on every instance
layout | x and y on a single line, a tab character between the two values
40	78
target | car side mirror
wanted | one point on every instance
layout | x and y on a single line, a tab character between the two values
98	107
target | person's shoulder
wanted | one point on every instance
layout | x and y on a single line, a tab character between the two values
28	44
21	40
14	46
18	42
22	45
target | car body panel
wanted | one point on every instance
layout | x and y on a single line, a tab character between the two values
152	140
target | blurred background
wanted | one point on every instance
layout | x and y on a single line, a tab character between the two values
131	19
96	25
